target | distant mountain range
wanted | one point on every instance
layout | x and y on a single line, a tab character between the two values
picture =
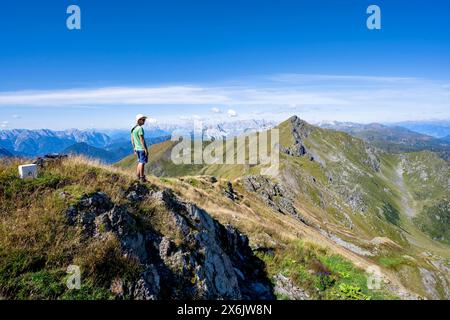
394	139
111	153
31	143
113	145
235	128
446	138
151	131
38	142
82	148
437	129
5	153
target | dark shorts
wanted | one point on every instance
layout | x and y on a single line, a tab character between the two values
141	156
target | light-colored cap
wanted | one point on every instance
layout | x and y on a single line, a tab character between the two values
140	116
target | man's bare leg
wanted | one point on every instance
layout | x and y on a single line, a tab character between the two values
142	170
138	170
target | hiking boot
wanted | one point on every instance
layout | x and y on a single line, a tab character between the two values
143	179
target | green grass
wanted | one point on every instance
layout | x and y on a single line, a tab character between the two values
322	274
44	284
434	220
88	291
11	185
391	214
37	245
426	175
392	262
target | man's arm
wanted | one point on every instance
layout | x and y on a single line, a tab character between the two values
132	142
144	144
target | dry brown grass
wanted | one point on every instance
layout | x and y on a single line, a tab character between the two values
154	214
34	235
102	261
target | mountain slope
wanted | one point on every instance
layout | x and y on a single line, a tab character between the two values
123	148
437	129
44	141
356	196
144	241
390	138
337	211
427	179
83	149
5	153
113	152
131	241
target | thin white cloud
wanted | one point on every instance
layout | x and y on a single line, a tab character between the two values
379	98
298	77
232	113
181	95
115	96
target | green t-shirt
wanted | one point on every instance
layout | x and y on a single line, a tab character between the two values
137	133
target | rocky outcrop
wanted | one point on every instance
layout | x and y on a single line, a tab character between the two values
429	282
372	158
229	192
273	194
285	289
212	262
300	131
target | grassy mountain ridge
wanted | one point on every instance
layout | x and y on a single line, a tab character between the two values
37	247
355	194
338	208
86	214
393	139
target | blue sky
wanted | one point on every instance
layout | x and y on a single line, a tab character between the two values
200	58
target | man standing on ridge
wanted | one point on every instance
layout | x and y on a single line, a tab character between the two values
139	146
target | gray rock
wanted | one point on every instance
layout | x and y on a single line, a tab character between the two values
273	195
229	192
213	262
372	159
147	287
137	192
285	287
430	283
300	131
